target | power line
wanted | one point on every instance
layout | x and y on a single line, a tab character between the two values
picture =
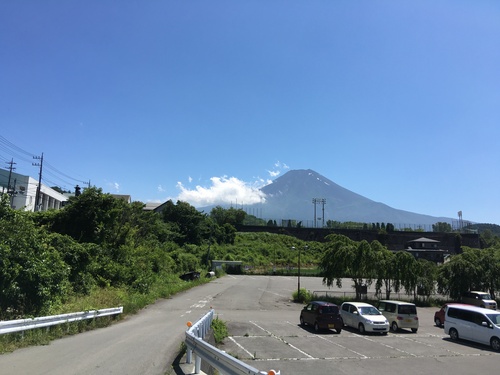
14	151
63	174
13	146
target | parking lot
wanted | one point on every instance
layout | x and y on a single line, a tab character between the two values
275	340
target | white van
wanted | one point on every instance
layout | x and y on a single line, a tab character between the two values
399	314
481	299
474	324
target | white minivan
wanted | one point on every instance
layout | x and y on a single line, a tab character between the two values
474	324
399	314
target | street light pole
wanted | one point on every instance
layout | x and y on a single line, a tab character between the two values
298	274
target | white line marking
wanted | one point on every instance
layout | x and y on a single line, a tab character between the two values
284	341
242	348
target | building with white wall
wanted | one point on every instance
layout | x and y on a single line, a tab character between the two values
23	190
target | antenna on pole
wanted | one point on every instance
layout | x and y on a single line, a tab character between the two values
323	202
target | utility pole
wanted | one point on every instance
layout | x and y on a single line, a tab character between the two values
11	168
38	193
10	190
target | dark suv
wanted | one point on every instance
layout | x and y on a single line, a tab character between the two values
321	315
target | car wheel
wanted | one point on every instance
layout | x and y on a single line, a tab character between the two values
361	328
338	330
394	326
316	326
438	322
454	334
495	343
414	330
302	323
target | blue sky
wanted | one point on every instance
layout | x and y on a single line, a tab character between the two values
205	101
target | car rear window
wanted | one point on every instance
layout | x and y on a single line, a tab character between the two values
407	309
329	310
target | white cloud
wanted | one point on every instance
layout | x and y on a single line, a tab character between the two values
161	189
274	173
114	187
223	190
278	168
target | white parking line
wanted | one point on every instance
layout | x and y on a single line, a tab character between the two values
284	341
390	347
344	347
241	347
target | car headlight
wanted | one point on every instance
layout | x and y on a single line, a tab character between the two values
369	321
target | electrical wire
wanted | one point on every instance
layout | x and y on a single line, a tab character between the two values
10	149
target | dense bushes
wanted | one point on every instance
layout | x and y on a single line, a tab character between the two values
33	274
99	241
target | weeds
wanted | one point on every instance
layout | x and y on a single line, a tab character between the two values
219	329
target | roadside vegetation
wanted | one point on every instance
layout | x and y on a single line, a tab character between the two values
219	330
101	252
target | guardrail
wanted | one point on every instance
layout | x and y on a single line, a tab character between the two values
223	362
9	326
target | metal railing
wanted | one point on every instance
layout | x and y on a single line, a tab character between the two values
19	325
223	362
375	296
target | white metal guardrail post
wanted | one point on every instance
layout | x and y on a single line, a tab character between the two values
223	362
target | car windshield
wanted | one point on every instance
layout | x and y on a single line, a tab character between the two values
495	318
484	296
369	310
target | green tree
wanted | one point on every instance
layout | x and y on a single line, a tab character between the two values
231	216
186	219
460	274
426	277
33	276
336	259
405	273
361	267
91	217
490	269
442	227
383	265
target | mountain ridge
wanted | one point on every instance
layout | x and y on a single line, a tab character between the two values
290	197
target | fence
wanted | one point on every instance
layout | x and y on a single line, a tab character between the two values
19	325
370	295
223	362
